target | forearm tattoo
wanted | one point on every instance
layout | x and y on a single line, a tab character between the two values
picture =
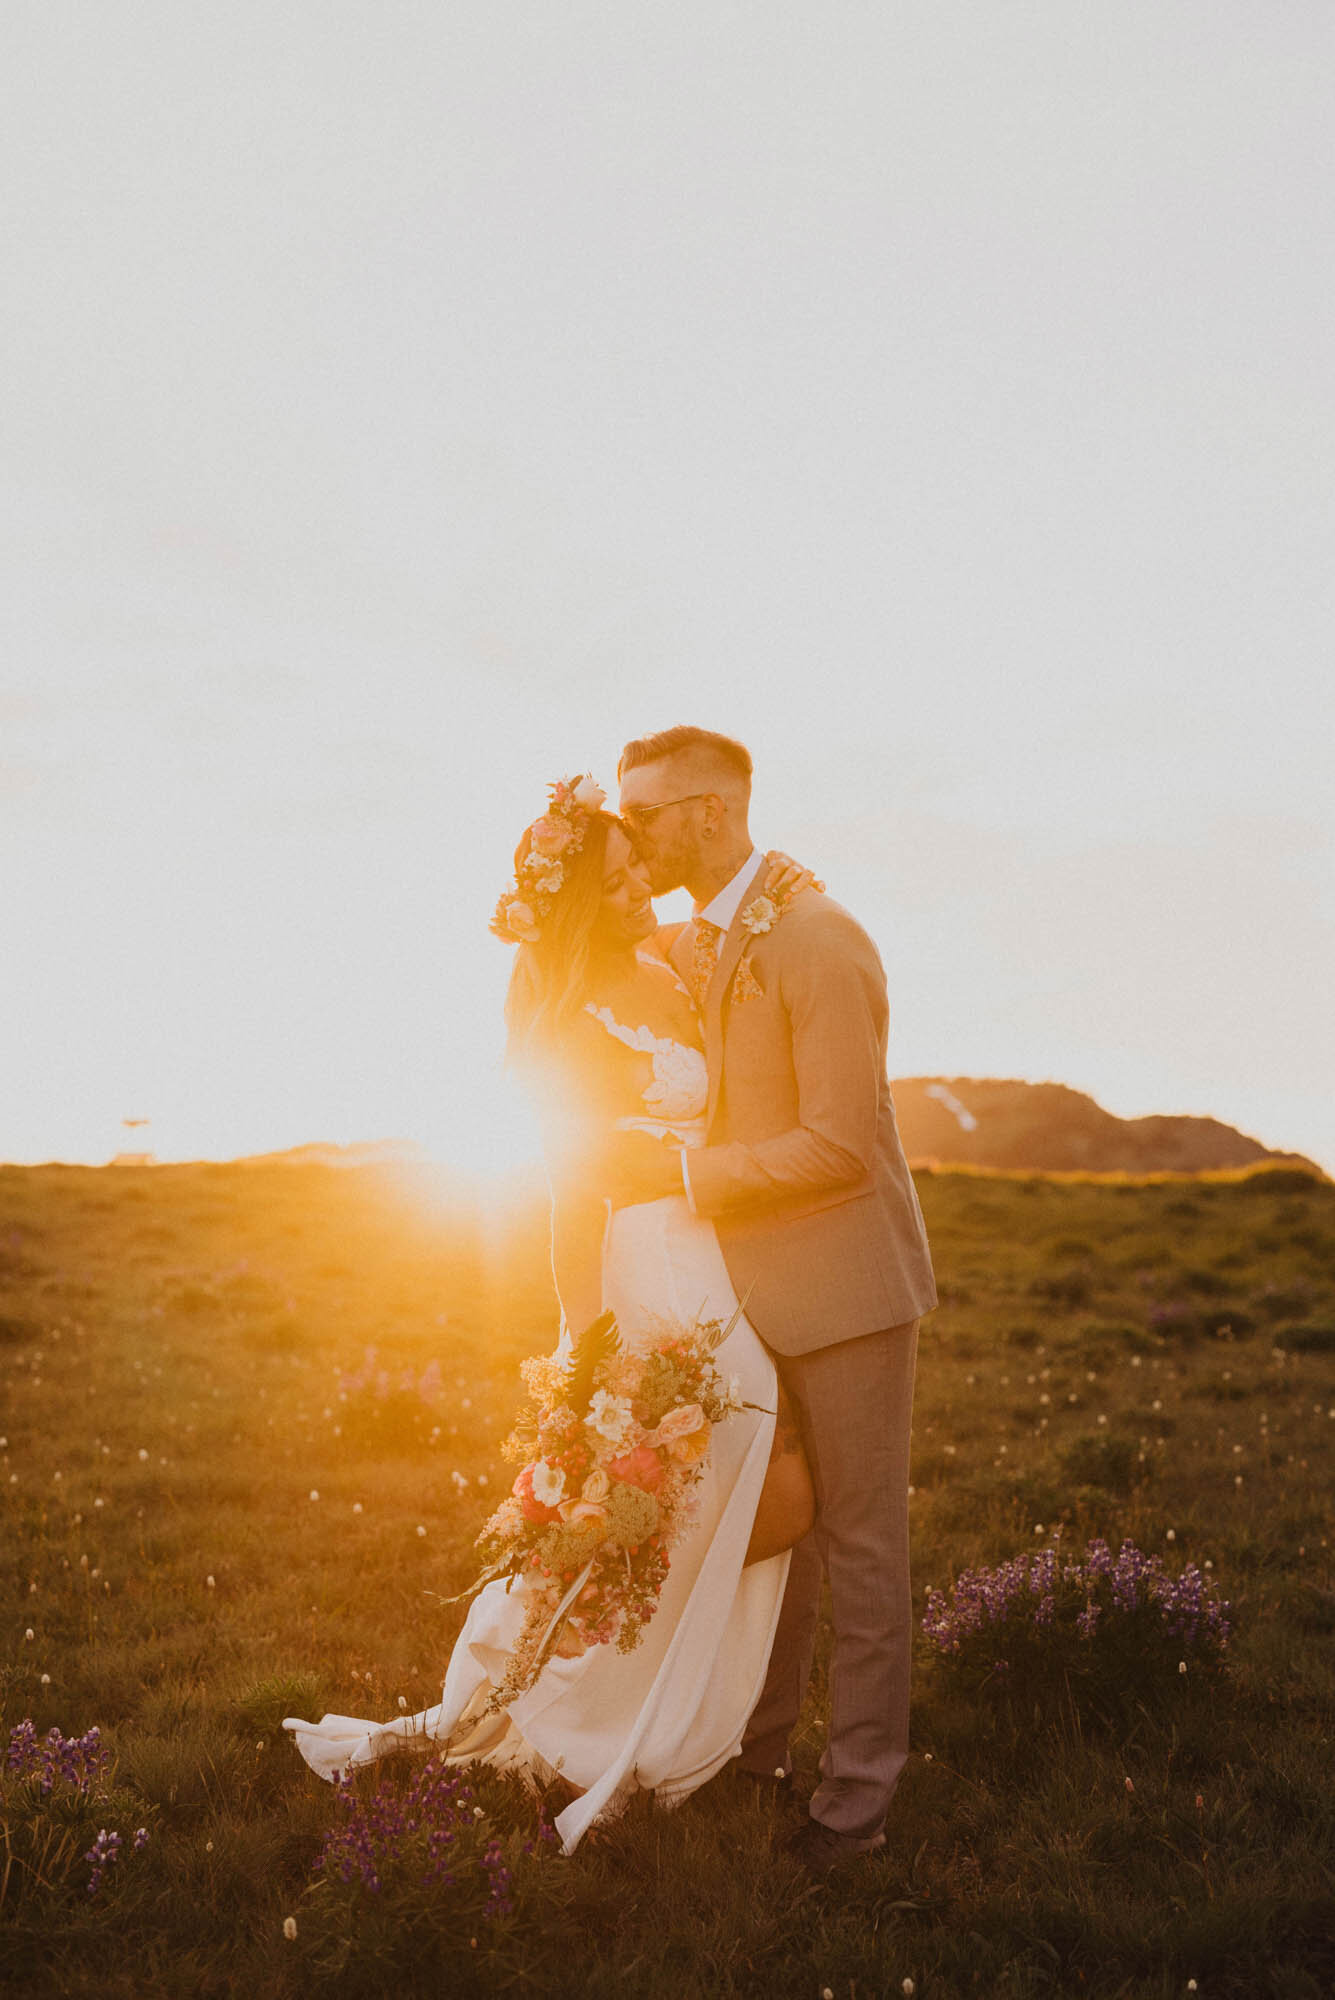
787	1436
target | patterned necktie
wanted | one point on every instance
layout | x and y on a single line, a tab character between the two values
705	958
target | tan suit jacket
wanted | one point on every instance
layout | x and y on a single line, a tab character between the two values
803	1172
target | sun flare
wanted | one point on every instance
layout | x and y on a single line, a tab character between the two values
488	1129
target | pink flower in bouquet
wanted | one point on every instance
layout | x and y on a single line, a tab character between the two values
641	1467
549	835
532	1506
685	1433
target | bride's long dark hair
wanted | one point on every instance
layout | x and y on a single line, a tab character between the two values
549	983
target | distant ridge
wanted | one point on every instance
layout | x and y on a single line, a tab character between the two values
367	1153
959	1121
1047	1127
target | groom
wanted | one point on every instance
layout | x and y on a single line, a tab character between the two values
816	1212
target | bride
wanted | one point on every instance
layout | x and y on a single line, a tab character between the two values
608	1039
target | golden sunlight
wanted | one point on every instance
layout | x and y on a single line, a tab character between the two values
487	1130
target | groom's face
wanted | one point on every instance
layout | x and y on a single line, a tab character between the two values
661	820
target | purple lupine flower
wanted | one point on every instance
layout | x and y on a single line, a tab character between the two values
21	1754
101	1854
76	1761
1025	1591
391	1827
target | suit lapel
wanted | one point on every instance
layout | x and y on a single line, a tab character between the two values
730	950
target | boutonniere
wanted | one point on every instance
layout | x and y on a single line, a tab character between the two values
761	915
758	919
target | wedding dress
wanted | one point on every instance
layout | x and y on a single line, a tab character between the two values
667	1716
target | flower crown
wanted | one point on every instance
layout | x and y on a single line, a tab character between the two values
540	876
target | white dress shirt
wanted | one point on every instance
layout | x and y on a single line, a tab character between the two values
729	898
721	911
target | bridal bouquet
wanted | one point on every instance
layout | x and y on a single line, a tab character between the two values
612	1445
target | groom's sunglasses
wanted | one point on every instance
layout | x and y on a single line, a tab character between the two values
635	816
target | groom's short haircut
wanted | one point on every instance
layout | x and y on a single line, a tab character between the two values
705	750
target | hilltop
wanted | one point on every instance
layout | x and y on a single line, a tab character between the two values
1048	1127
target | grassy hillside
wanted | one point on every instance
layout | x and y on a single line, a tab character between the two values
218	1507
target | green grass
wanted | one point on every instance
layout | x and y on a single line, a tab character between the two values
1115	1357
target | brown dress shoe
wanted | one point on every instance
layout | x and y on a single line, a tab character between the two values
817	1849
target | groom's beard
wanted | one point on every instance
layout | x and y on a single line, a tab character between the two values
666	871
670	876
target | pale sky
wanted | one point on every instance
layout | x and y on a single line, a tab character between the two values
401	405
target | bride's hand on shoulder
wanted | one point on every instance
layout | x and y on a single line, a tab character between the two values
788	878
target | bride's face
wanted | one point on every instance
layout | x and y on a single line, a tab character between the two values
626	914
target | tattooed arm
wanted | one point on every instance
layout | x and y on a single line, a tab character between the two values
787	1505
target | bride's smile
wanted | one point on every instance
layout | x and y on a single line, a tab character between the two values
626	913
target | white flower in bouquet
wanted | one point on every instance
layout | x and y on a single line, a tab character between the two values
610	1416
549	1483
589	795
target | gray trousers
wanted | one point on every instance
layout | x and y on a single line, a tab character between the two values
854	1403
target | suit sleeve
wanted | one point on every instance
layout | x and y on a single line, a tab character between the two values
837	1010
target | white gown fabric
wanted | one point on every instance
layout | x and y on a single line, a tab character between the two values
667	1716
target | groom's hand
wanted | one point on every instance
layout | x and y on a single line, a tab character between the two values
639	1168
